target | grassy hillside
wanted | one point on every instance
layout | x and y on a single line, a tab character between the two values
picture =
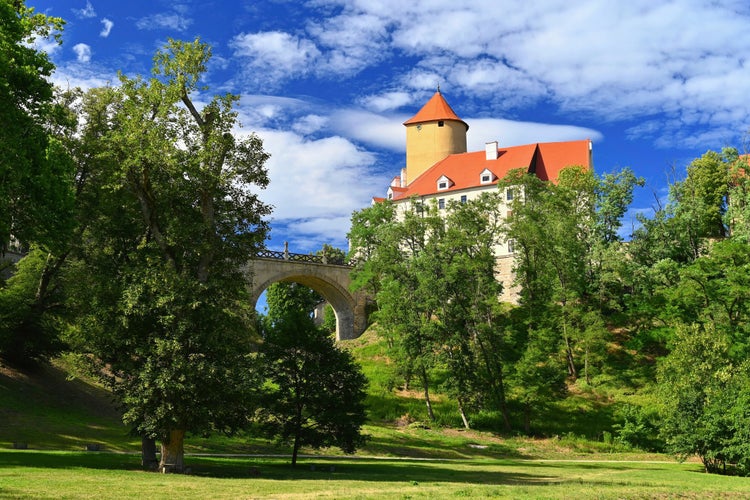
50	409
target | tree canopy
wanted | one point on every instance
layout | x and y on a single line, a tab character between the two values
163	299
37	177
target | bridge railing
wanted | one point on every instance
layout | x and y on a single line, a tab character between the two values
301	257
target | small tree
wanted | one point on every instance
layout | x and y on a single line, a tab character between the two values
315	391
694	380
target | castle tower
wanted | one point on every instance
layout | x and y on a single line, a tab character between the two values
433	134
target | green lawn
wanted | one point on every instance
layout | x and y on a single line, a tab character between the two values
36	474
56	416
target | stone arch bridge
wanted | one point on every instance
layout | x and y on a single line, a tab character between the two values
330	279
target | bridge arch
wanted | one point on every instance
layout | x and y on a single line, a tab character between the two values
329	280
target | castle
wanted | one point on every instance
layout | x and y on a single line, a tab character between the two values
439	168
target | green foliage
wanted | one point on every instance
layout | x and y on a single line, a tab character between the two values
27	334
289	296
433	277
315	392
639	428
37	177
160	295
706	410
568	263
329	319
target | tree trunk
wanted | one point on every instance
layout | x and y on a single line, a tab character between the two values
295	449
426	385
173	452
496	381
572	372
297	433
527	418
148	454
586	366
463	414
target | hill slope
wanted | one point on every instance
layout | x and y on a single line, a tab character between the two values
49	409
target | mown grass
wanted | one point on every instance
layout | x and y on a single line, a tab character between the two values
405	457
101	475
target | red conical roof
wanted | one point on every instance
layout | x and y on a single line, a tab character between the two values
437	108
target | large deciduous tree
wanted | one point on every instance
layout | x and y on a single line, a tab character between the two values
433	275
167	310
567	236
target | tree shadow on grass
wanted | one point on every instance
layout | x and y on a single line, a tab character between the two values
409	471
69	460
414	446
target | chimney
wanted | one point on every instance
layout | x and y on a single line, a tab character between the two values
490	150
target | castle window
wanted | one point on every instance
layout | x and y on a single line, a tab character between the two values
463	198
441	203
444	183
511	246
441	123
509	194
486	176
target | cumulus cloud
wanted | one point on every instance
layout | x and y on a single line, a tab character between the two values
106	28
271	56
317	184
86	12
170	21
83	52
685	61
386	101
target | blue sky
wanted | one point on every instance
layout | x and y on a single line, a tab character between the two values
327	84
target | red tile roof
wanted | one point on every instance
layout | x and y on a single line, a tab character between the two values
437	108
464	169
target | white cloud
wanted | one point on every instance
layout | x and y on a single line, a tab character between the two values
85	76
174	22
387	101
381	131
317	184
48	45
309	124
85	12
274	55
107	27
343	37
514	133
684	60
83	52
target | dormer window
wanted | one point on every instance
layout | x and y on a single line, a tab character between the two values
444	183
486	177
